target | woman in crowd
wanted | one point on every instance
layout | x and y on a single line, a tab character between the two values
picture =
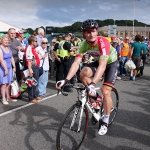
32	63
6	71
44	61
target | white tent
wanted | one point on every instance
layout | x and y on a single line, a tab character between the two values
4	27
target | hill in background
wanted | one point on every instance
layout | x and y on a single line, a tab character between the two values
75	28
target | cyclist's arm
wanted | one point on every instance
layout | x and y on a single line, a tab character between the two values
100	70
74	67
104	48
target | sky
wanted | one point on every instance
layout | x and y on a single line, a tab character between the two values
58	13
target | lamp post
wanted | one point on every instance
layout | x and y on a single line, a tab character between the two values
134	16
145	30
126	22
114	19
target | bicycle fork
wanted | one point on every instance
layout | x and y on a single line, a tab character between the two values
83	99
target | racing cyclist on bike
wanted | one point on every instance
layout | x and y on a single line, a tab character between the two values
105	62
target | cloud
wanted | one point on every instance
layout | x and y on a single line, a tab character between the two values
36	13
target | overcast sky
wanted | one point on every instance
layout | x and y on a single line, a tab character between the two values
36	13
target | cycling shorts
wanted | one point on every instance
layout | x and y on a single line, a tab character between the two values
110	74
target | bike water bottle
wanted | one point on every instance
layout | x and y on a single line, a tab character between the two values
99	100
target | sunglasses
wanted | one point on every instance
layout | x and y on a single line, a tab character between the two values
44	42
35	41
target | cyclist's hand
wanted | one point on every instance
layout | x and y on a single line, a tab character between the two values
60	83
92	91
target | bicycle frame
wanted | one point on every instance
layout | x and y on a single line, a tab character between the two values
84	101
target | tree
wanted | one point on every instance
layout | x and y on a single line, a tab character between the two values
76	27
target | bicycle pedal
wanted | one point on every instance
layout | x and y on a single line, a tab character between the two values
93	120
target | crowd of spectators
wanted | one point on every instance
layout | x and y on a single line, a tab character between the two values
17	55
136	50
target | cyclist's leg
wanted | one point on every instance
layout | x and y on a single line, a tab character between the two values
85	75
106	91
109	81
87	72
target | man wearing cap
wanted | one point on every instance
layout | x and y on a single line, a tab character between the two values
124	55
65	54
58	63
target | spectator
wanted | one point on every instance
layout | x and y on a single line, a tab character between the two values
6	71
40	36
143	58
124	55
52	58
44	60
32	63
136	51
59	65
15	46
20	37
116	45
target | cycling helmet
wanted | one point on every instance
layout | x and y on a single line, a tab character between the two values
89	24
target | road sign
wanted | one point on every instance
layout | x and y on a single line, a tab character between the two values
112	30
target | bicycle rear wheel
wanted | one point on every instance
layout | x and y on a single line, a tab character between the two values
115	103
68	138
114	110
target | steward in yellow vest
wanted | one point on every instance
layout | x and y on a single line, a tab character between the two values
66	54
58	63
57	48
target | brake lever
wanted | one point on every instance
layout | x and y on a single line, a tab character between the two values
58	84
58	92
65	94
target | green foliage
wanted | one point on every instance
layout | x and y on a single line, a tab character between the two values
102	33
75	28
30	31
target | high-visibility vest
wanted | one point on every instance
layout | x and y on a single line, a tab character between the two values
125	49
63	53
57	51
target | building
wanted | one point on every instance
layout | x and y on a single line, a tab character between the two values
122	31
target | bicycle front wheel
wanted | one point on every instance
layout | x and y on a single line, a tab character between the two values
71	133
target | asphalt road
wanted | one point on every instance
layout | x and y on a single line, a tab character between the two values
27	126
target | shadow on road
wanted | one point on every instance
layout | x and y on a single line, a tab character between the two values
39	118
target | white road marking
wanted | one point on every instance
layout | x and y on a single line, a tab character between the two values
24	106
29	104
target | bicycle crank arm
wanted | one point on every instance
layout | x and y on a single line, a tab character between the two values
77	131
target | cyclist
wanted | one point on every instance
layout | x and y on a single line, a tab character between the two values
105	57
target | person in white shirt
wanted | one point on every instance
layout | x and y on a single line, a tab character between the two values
44	61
